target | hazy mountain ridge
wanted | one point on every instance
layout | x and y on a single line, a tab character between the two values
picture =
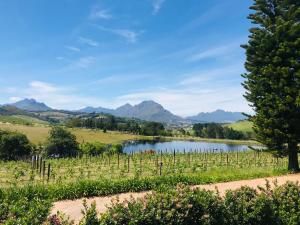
218	116
31	105
146	110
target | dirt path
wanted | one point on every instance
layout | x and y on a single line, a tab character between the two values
73	208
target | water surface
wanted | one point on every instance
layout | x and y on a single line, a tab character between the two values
182	146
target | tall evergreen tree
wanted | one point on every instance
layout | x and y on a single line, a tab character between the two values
272	81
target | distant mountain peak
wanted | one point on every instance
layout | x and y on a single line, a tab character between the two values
149	102
218	116
31	105
126	106
146	110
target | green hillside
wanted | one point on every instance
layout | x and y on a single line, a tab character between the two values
244	126
21	119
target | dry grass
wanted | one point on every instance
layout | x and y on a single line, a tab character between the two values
39	134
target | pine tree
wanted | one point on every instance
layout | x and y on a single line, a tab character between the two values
272	81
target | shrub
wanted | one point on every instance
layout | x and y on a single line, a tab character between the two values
246	206
61	143
24	206
93	149
181	206
115	149
89	214
59	219
287	203
184	206
14	145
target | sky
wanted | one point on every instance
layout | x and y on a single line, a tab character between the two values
185	55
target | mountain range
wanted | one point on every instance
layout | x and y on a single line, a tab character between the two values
218	116
31	105
146	110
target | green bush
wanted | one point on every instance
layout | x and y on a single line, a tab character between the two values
181	206
184	206
61	143
24	206
97	148
89	215
287	203
14	145
31	204
93	149
246	206
115	149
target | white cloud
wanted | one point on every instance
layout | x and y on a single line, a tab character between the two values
15	99
97	13
81	63
72	48
122	78
187	102
129	35
57	97
60	58
157	4
220	51
85	62
43	87
88	41
212	75
198	91
212	52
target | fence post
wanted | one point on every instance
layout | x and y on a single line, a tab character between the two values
49	171
227	159
128	162
174	154
118	160
44	169
32	162
160	168
37	162
41	165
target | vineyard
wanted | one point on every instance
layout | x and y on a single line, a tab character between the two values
206	164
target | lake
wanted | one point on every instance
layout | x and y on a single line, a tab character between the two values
181	146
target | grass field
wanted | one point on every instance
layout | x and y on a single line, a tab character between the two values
244	126
39	133
21	119
206	166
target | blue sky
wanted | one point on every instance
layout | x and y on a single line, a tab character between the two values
69	54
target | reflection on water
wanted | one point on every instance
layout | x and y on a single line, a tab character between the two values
181	146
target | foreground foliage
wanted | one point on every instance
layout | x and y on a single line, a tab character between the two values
184	206
31	204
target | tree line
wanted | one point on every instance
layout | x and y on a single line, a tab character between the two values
112	123
213	130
